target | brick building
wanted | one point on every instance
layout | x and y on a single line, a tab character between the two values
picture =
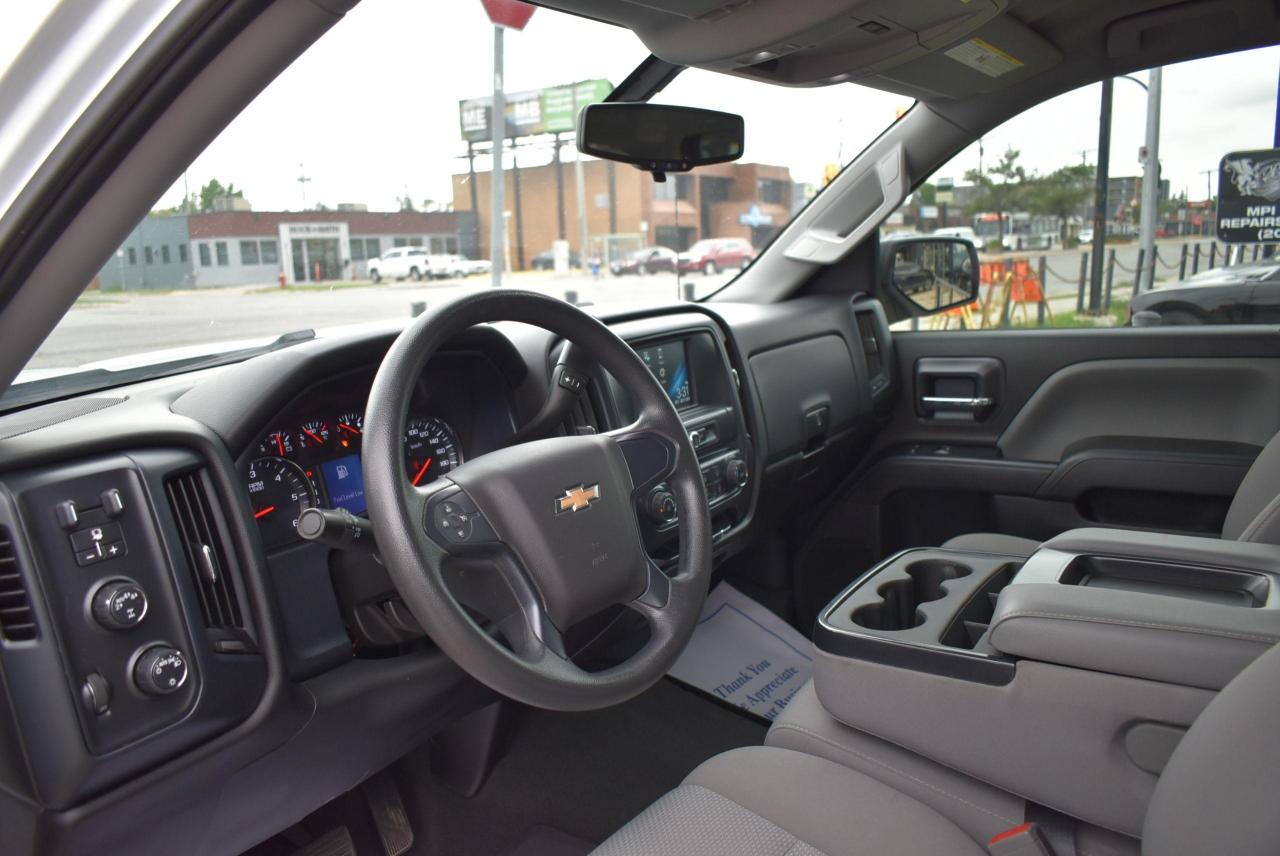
627	209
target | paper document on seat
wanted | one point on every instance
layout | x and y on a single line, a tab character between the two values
744	654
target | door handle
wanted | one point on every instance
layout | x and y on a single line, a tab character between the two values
944	402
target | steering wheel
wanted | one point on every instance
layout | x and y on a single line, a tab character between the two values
499	557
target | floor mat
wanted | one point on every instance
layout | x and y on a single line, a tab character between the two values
548	841
584	774
743	654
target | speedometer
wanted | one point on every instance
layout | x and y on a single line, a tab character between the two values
430	450
279	492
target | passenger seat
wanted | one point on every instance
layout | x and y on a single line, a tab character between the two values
1254	514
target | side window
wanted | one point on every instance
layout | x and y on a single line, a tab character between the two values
205	261
248	252
1167	225
270	252
220	250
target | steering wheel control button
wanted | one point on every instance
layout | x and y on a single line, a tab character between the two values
95	692
453	520
572	381
160	670
119	605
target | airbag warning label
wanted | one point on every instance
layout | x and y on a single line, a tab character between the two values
984	57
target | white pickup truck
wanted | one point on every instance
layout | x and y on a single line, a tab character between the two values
399	263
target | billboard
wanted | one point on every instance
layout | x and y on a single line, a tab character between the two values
533	111
1249	197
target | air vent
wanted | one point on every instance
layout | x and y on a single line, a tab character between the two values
190	500
17	621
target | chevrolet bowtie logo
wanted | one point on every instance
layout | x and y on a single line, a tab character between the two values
577	498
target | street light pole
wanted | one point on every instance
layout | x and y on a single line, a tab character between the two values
1150	185
497	202
581	194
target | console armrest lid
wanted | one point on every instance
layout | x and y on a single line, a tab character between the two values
1167	639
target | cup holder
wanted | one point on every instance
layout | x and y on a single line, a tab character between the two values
897	608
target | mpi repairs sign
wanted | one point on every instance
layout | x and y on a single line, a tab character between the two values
1249	197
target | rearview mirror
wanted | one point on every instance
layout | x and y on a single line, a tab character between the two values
932	273
657	137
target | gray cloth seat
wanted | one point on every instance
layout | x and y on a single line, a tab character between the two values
1216	795
1254	514
767	801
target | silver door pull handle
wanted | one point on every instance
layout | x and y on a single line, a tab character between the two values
948	402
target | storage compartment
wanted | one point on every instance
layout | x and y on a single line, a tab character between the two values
1209	585
900	599
971	623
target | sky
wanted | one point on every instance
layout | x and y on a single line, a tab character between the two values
370	113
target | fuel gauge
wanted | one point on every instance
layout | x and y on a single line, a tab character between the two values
349	428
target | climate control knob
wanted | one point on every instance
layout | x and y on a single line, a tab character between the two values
661	506
119	605
735	472
160	670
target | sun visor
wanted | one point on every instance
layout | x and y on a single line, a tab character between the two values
1000	54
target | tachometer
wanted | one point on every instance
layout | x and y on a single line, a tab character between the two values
279	491
430	450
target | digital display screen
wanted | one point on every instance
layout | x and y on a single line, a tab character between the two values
670	365
344	479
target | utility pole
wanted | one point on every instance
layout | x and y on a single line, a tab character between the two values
303	181
1208	197
1100	197
497	202
583	237
1150	186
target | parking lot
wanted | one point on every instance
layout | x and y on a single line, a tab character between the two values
106	325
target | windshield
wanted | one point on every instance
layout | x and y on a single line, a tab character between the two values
356	188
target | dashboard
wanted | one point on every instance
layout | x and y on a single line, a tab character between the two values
218	654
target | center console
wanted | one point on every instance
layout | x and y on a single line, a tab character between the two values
692	366
1067	678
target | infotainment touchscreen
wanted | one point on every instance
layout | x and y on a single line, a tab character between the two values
670	365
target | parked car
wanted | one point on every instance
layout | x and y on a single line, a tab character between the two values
1240	294
546	260
399	263
646	260
454	266
715	254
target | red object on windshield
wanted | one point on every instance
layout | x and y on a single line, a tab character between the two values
508	13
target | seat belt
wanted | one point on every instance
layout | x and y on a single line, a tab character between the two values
1045	833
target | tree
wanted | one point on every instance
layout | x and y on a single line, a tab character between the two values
999	187
1060	194
406	203
214	189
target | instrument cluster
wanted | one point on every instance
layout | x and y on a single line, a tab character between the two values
316	463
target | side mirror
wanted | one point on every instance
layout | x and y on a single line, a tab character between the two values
657	137
931	273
